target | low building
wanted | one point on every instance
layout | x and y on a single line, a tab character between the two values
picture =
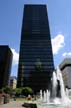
13	82
65	68
5	65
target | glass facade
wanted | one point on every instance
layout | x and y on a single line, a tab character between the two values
35	46
5	65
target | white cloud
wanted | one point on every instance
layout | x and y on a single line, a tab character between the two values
57	43
66	54
15	56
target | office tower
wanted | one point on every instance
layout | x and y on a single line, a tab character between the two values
35	49
5	65
65	67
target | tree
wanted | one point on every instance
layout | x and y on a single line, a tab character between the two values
18	91
26	91
7	90
1	90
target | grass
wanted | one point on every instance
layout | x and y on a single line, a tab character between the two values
20	99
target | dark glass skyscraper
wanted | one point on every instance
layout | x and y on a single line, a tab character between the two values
36	59
5	65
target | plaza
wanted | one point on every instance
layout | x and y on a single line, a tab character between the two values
38	82
13	104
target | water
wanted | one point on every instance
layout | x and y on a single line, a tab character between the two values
54	85
41	94
44	96
59	98
62	92
47	96
51	106
67	92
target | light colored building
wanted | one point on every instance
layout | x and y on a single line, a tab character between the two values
13	82
65	68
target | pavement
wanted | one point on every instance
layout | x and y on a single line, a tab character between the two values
13	104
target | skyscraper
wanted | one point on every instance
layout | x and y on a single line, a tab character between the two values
5	65
35	49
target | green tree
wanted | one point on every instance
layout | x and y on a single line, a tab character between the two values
7	90
18	91
1	90
26	91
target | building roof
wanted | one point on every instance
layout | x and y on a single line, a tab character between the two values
13	77
64	63
6	47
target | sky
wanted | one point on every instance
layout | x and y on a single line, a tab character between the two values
59	15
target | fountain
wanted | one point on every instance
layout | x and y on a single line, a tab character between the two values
67	92
44	96
41	94
47	96
59	98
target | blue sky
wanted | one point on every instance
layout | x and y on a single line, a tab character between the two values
59	14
